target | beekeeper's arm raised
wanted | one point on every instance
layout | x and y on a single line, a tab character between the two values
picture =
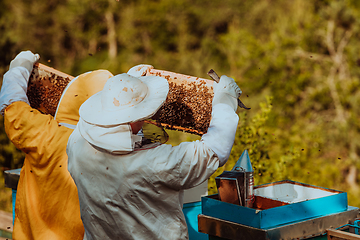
221	132
200	159
25	126
15	81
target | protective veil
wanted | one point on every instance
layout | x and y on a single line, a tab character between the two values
137	194
47	205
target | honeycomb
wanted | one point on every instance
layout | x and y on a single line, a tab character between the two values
45	89
187	107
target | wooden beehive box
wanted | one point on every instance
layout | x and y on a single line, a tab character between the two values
279	203
187	108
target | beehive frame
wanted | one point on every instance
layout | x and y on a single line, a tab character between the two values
187	108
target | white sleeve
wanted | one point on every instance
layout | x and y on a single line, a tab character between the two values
14	87
221	132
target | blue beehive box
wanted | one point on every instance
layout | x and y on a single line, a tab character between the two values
277	204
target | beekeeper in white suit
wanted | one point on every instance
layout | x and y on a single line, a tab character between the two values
132	191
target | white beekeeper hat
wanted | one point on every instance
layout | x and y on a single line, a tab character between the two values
125	99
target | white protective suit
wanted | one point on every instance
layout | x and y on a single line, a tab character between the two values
139	194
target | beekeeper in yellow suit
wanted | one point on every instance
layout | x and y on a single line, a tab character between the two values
128	189
47	205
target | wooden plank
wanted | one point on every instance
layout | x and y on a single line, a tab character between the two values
341	235
52	70
1	238
6	225
222	229
6	221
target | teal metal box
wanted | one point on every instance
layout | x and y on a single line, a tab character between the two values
291	202
191	212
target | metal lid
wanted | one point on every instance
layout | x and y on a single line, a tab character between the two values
243	164
12	178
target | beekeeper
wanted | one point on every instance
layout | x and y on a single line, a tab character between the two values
132	191
47	205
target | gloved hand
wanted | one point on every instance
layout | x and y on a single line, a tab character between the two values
25	59
15	81
139	70
226	91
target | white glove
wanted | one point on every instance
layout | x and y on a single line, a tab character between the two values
15	81
25	59
139	70
226	91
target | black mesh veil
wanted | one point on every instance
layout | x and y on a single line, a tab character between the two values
153	133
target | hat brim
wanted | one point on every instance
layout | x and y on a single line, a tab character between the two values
92	111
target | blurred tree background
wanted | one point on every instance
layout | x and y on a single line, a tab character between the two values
297	63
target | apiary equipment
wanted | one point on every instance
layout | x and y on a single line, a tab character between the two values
236	186
45	87
189	102
281	210
187	107
216	78
11	181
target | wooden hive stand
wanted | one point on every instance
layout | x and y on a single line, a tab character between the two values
333	234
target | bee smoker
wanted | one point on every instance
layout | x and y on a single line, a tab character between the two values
236	186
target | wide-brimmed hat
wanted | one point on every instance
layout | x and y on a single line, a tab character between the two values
125	99
76	93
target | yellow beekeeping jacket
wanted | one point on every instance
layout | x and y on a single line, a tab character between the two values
47	205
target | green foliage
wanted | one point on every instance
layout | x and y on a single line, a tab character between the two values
253	135
304	54
5	195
